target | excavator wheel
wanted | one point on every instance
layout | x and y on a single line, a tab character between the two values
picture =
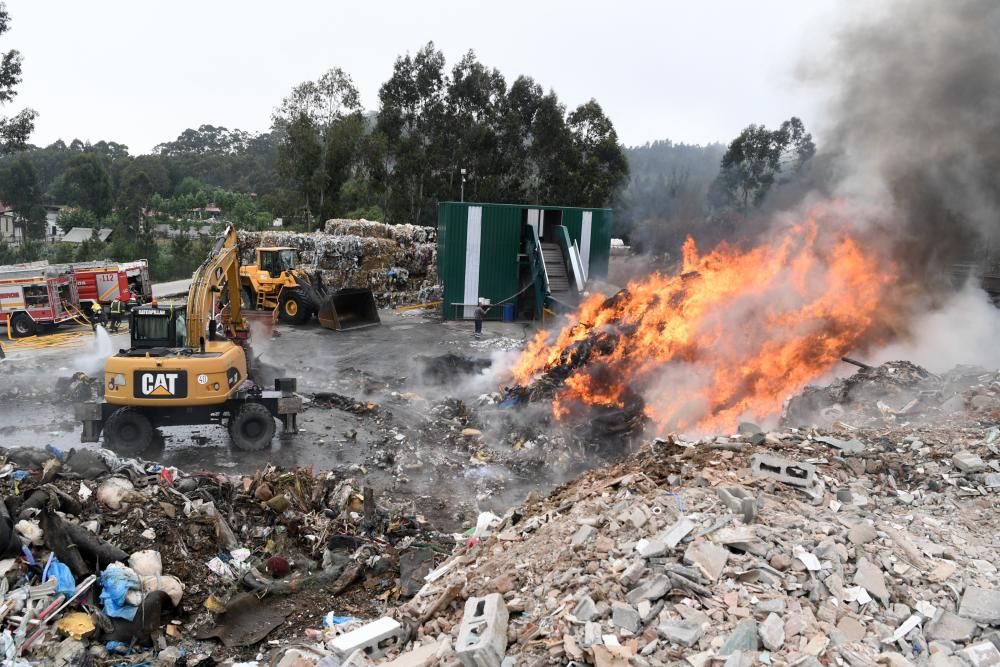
294	308
128	432
252	427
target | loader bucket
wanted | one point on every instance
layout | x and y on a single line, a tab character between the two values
349	308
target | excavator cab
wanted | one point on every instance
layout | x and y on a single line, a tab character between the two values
158	327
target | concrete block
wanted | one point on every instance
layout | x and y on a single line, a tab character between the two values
739	501
625	617
790	472
968	462
981	605
685	633
482	636
373	639
585	609
673	535
652	588
983	654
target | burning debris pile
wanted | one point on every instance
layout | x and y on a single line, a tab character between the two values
397	262
896	391
117	560
731	335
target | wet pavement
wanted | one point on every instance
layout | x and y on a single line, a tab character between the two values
390	446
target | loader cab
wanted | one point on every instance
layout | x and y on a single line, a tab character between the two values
277	260
158	327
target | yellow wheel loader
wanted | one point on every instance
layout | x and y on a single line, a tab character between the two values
189	365
276	281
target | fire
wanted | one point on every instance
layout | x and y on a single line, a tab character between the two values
728	337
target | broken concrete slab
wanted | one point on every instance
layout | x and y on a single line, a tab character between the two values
948	626
772	632
673	535
742	638
862	533
983	654
653	588
853	446
685	633
583	535
740	501
710	558
968	462
650	548
981	605
870	577
625	617
585	610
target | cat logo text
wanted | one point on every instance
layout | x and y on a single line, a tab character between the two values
160	384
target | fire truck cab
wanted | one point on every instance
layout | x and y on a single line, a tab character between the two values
36	298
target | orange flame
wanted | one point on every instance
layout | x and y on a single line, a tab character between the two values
729	337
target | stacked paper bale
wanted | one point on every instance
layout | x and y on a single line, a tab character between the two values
397	262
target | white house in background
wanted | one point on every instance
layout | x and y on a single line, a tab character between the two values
9	233
52	231
80	234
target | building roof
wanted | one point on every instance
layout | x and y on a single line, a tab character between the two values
81	234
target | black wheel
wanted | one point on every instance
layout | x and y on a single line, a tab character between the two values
247	299
128	432
252	427
21	325
294	308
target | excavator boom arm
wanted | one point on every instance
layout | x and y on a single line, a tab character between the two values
221	270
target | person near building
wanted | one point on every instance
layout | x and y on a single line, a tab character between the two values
96	315
117	310
478	316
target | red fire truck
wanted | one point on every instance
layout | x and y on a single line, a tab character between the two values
36	298
105	281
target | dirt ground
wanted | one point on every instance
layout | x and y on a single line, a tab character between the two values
381	420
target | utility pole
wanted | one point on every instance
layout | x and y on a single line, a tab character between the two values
463	185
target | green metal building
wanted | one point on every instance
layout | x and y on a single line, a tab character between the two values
522	258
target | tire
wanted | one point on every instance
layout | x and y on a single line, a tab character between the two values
294	308
252	427
22	326
247	300
128	432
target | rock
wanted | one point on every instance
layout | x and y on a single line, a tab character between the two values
625	617
950	627
983	654
653	588
968	462
632	574
585	609
775	606
862	533
650	548
851	628
869	576
710	558
772	632
780	562
673	536
981	605
748	428
582	536
685	633
853	446
742	638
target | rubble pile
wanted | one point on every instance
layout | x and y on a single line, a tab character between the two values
119	560
897	391
397	262
794	547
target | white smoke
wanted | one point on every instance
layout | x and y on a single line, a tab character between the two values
963	330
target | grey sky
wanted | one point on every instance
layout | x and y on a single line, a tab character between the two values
140	72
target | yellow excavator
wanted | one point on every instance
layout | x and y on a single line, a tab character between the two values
189	364
276	281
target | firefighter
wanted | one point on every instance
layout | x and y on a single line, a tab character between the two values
117	309
96	315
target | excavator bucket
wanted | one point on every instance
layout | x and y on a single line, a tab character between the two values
349	308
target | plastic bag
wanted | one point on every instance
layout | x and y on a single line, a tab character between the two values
65	583
117	581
